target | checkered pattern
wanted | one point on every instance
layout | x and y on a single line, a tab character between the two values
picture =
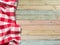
9	29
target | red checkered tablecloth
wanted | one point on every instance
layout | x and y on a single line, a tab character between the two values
9	29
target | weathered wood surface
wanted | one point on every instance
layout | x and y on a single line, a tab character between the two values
39	18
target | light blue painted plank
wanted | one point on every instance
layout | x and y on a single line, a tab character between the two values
37	15
40	42
37	12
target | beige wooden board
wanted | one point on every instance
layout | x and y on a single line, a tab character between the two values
36	28
39	22
27	37
44	7
41	30
39	4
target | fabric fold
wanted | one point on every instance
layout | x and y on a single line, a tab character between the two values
10	33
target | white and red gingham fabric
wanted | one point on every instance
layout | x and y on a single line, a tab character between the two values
9	29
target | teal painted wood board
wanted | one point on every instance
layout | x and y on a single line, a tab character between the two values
40	42
38	15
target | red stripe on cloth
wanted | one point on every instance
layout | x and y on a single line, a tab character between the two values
6	40
7	20
9	0
7	13
5	26
6	5
10	13
5	43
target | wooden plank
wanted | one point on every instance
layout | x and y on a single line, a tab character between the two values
40	42
28	37
38	22
41	2
41	30
36	12
42	15
44	7
38	17
40	27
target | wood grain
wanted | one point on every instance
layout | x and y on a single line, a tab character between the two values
40	27
40	42
28	37
38	14
39	4
38	22
39	19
